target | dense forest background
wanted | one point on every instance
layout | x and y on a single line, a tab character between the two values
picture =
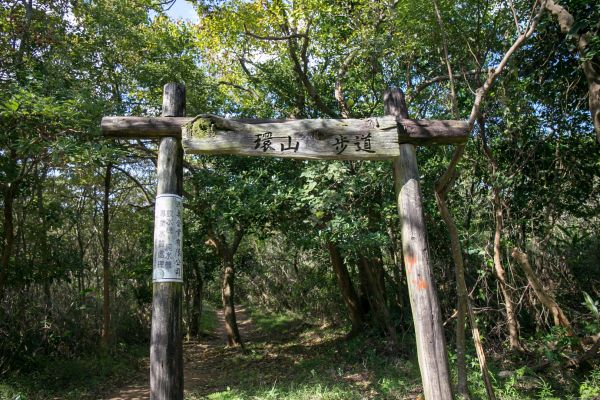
316	240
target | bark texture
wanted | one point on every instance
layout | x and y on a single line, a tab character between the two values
166	346
431	344
106	257
511	318
346	287
545	297
9	234
227	295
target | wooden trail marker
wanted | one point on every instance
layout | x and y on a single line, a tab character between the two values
166	342
391	137
317	139
424	303
166	347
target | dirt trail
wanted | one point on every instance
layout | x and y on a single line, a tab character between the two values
201	360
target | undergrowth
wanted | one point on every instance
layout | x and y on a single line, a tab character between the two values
290	359
286	357
84	377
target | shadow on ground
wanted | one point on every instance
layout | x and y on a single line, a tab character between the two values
285	358
291	359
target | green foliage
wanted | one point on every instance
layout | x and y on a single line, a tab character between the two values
590	388
271	321
83	377
208	320
319	364
591	327
64	64
591	305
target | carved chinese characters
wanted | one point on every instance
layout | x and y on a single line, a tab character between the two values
266	142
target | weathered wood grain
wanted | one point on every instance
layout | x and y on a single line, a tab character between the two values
323	139
142	127
166	347
338	139
174	100
431	344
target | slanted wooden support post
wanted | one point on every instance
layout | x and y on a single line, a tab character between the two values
431	345
166	347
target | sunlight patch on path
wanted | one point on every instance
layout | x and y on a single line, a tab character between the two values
201	360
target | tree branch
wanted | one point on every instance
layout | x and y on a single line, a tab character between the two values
237	239
236	86
565	19
423	85
440	21
339	83
275	38
301	72
147	195
494	72
445	182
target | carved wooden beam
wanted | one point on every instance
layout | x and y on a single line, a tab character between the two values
344	139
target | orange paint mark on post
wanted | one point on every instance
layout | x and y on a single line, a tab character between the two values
421	284
410	262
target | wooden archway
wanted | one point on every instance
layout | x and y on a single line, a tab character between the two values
392	137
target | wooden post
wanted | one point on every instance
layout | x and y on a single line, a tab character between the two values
392	137
166	347
431	344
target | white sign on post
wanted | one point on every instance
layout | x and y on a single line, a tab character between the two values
168	239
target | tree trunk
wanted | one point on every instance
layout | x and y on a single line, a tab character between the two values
364	296
106	258
197	292
187	303
463	304
461	289
46	256
461	309
377	298
227	295
560	319
483	368
593	77
9	235
347	289
378	270
511	319
401	290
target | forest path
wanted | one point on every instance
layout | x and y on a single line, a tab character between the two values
286	357
202	360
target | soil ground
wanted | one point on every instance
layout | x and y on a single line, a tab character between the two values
287	358
202	360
